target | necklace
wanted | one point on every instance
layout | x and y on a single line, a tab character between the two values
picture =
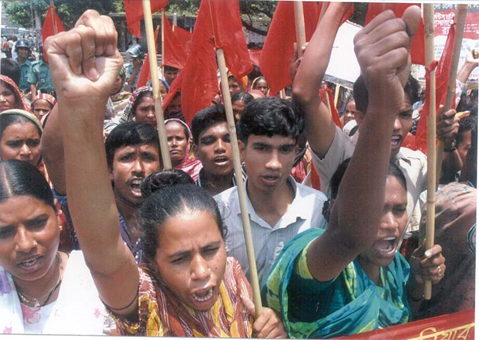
25	299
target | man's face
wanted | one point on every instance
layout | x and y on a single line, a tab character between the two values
402	125
131	164
22	52
170	75
268	161
464	145
214	150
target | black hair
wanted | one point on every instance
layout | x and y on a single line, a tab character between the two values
138	101
170	201
129	134
243	96
271	116
411	89
185	127
467	123
159	180
206	118
170	68
20	178
255	73
7	120
256	80
11	69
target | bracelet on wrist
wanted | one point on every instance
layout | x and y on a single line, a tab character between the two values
450	149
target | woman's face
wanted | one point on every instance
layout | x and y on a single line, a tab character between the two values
145	111
391	228
177	142
8	100
238	108
41	108
29	238
191	258
262	85
21	141
163	90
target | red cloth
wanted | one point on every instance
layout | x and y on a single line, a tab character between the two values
145	73
443	71
174	53
278	46
134	13
183	37
51	21
255	56
334	111
418	44
201	63
410	142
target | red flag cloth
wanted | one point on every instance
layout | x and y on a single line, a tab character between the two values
134	13
183	37
409	142
201	63
418	44
51	22
174	53
443	71
229	36
145	73
255	55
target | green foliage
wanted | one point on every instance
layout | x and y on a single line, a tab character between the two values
20	12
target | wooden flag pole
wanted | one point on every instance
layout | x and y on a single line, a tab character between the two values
300	30
460	20
239	182
431	138
163	43
55	28
160	120
336	95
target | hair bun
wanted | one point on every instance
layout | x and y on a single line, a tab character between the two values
160	180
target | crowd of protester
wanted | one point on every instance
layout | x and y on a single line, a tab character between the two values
96	238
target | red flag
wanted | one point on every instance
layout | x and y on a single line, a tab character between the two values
174	54
145	73
229	36
51	24
334	111
134	13
183	37
443	71
418	44
201	63
255	56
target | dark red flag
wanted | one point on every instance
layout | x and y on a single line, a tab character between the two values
51	26
134	13
145	73
255	56
418	44
443	70
174	53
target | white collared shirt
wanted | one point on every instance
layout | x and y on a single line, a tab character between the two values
303	213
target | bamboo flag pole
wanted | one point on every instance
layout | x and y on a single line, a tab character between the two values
300	30
336	95
239	182
163	43
431	138
460	20
55	28
160	120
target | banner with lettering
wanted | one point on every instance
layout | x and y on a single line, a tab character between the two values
457	326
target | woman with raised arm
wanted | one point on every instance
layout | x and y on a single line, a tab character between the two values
189	287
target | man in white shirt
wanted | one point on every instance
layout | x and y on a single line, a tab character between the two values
279	208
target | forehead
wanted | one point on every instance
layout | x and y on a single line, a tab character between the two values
144	148
175	127
4	87
218	130
146	100
273	141
31	206
395	190
41	103
20	128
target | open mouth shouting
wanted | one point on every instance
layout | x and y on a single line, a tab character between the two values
396	142
135	186
221	161
204	298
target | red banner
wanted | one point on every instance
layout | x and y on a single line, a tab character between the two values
450	326
444	20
